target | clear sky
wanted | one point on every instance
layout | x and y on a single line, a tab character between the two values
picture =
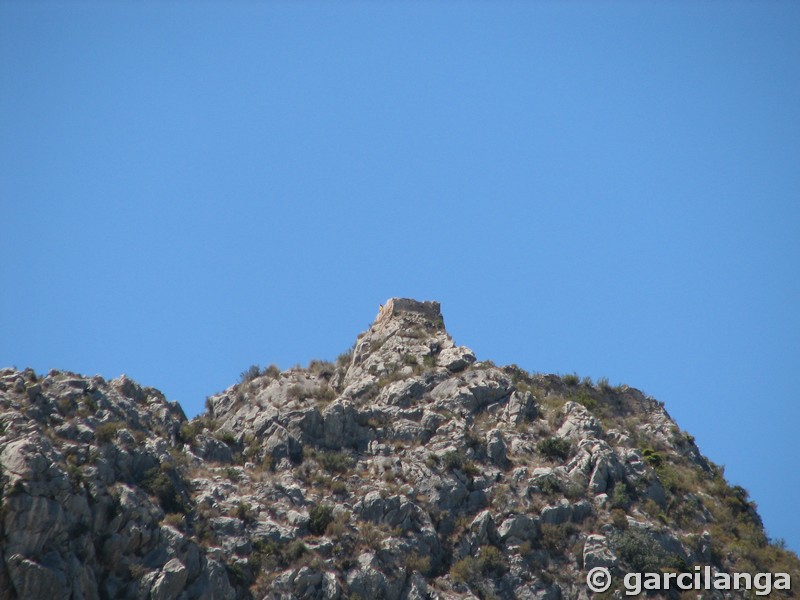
607	188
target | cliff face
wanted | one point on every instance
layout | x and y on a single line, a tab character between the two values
406	469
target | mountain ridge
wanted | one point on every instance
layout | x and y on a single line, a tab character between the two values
405	469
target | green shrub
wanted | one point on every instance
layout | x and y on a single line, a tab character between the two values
619	519
489	562
675	479
416	563
106	432
583	397
64	405
550	485
453	460
738	501
620	496
295	392
294	550
391	377
226	437
320	516
338	488
492	561
176	520
334	462
249	374
75	476
137	571
321	367
344	358
554	447
372	536
555	538
189	431
89	403
237	574
160	484
778	543
337	528
324	393
571	379
244	513
641	552
270	555
653	458
467	570
410	360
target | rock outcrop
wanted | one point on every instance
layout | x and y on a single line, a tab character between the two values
406	469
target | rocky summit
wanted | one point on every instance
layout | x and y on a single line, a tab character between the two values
406	469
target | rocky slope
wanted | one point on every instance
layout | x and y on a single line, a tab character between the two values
407	469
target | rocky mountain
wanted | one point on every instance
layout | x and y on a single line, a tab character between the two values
406	469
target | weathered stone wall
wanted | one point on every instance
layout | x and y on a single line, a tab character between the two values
396	306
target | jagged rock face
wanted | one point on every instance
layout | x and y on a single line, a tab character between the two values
87	472
405	470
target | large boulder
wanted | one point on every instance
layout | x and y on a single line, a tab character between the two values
596	553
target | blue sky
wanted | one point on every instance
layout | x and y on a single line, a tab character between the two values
606	188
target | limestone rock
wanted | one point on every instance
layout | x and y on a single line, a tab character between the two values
596	553
496	448
170	582
407	469
517	529
456	359
33	580
579	422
